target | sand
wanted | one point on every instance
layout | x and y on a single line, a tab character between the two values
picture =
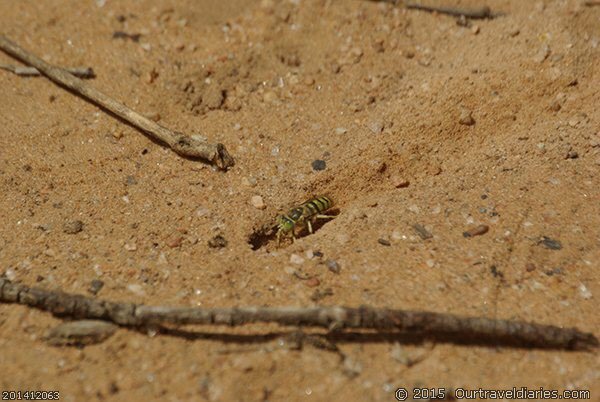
417	119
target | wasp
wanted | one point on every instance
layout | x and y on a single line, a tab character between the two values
303	215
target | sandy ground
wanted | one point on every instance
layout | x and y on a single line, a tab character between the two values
419	120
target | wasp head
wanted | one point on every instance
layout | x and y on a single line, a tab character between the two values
285	224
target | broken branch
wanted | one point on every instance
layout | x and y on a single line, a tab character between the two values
182	144
482	12
81	72
415	322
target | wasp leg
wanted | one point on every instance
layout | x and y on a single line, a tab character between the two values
309	226
325	216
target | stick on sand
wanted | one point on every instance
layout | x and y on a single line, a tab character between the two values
482	12
178	142
81	72
466	329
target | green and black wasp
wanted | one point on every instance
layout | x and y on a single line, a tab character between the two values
303	215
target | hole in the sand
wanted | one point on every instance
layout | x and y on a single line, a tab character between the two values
268	233
262	236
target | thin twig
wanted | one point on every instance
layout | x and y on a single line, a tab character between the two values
483	12
81	72
182	144
591	3
426	323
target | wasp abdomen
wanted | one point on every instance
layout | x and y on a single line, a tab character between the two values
318	205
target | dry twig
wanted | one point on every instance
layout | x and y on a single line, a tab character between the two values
476	329
81	72
482	12
178	142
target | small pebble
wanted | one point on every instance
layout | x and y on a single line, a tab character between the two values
10	274
542	54
97	269
257	202
73	227
249	181
136	289
375	126
384	242
312	282
550	243
584	292
80	333
333	266
130	246
466	118
555	106
554	271
318	164
95	286
341	130
154	116
476	231
217	242
414	209
530	267
270	97
175	240
571	154
50	252
213	97
400	182
179	46
351	367
342	238
296	259
423	233
495	272
408	53
130	181
202	211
